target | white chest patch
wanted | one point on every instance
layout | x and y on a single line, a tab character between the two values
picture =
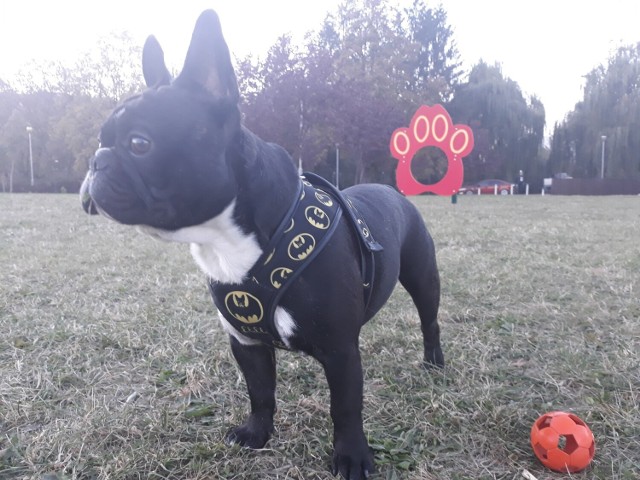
225	254
218	246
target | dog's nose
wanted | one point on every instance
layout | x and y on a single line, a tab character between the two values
99	159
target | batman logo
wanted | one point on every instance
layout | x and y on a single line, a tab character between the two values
323	198
279	276
244	307
301	246
317	217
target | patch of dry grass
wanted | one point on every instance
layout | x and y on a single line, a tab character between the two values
112	364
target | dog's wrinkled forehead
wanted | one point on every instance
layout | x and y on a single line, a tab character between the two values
116	122
174	108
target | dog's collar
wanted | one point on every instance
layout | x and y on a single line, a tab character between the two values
303	232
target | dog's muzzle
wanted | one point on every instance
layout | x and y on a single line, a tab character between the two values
98	165
88	205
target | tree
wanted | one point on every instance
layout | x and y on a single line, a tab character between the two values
110	69
13	144
73	137
365	101
436	61
277	90
610	108
65	106
508	128
4	86
357	79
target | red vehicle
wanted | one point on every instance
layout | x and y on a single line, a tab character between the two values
489	187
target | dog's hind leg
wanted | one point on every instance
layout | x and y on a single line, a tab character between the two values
419	276
258	365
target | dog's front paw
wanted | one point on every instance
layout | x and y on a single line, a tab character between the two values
353	459
433	357
254	433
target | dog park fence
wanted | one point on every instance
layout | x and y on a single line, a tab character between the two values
594	186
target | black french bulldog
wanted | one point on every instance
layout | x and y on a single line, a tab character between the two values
177	162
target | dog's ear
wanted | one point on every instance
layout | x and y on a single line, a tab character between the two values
153	68
208	63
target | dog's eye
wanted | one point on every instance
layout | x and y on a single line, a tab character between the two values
139	145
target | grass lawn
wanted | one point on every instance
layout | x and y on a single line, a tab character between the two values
113	364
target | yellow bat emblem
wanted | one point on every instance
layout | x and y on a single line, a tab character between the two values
323	198
301	246
317	217
279	275
244	307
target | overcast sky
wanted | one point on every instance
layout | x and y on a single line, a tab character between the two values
546	46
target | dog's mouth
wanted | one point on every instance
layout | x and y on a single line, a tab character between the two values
99	196
88	205
92	207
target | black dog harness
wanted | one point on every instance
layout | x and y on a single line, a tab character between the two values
304	231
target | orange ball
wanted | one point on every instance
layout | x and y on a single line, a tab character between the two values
562	442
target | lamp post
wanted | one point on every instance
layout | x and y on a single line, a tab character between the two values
29	130
604	139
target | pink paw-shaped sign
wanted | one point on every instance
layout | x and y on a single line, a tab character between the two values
431	127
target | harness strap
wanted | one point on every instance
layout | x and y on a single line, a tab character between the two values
368	245
303	232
